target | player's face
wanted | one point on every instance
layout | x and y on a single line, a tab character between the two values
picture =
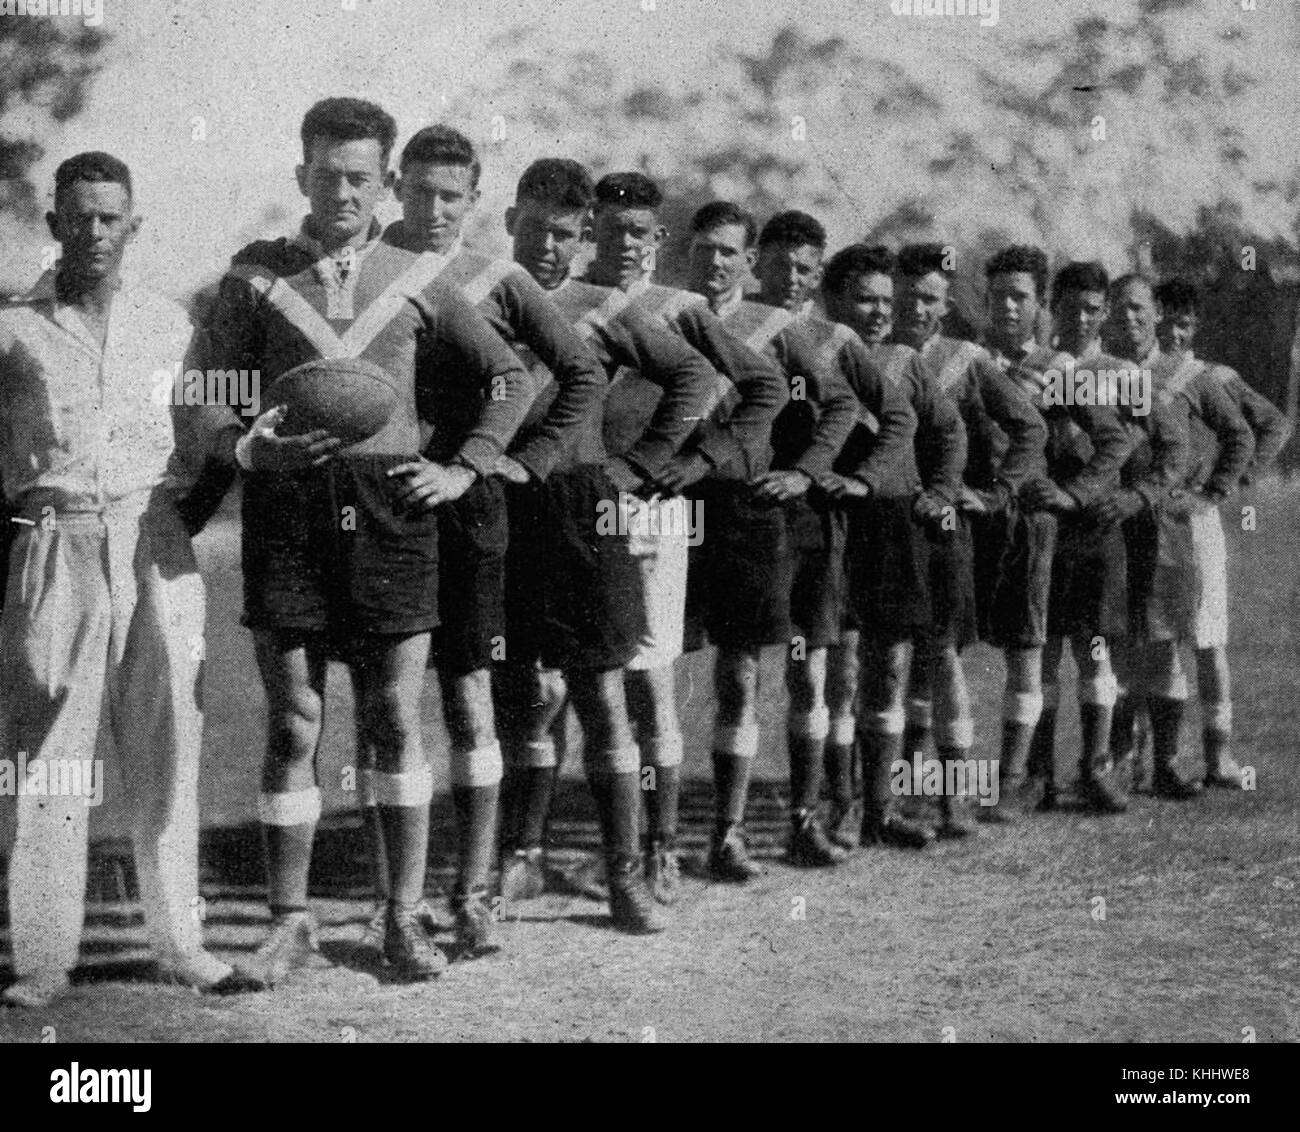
1078	319
788	274
546	239
94	223
865	304
921	303
1013	308
1177	332
719	261
1133	321
627	245
343	181
436	199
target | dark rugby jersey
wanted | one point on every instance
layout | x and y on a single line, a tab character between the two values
1086	444
809	432
989	405
517	308
280	304
734	435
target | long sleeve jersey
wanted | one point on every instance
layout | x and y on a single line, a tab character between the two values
1005	436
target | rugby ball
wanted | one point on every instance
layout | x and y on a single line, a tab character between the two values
347	397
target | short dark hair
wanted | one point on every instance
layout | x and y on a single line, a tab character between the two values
857	259
915	260
91	166
628	190
719	212
442	145
793	227
557	181
1021	258
1178	296
349	119
1117	285
1079	275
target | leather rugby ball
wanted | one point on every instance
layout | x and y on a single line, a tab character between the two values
347	397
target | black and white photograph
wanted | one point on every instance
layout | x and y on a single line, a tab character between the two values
651	521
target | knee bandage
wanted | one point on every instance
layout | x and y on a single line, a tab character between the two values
843	728
1024	708
889	722
1100	690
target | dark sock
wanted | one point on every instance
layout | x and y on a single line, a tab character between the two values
806	754
535	807
476	827
406	834
288	861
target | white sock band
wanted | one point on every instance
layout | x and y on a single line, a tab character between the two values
1025	708
740	741
410	788
920	713
1216	717
1100	690
1172	687
815	724
843	730
539	754
480	767
891	722
665	750
959	732
621	760
298	807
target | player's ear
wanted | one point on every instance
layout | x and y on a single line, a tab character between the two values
510	220
134	227
300	175
661	234
815	277
390	179
751	258
52	223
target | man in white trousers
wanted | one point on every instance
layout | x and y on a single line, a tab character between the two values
104	606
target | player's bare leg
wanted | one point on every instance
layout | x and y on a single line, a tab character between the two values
532	700
1097	691
840	764
652	707
881	723
1213	683
390	676
293	674
613	764
475	792
808	727
735	744
1023	713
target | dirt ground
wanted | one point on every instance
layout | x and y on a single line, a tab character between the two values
1001	939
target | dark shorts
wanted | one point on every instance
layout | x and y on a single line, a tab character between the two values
572	587
739	576
326	550
472	539
952	587
1013	576
1089	589
889	570
1161	570
819	584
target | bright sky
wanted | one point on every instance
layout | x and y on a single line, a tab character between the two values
250	68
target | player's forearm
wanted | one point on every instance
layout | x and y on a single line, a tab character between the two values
1111	446
837	410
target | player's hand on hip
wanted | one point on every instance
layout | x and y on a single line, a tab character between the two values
429	485
680	473
1044	495
781	487
845	488
263	451
511	470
